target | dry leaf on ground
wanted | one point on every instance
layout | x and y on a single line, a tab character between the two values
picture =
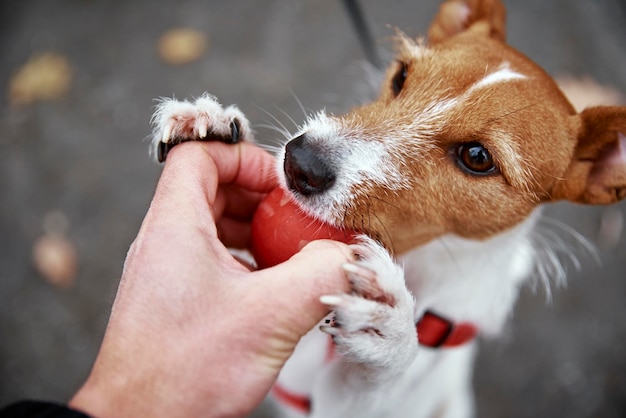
182	46
55	258
43	77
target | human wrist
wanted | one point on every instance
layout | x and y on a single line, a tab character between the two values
101	399
120	395
136	394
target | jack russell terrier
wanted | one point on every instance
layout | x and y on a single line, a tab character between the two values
444	172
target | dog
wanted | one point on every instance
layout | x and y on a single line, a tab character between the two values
445	172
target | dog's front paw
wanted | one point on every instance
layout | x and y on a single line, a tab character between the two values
177	121
374	325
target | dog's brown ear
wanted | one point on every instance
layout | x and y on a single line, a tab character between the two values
486	17
597	173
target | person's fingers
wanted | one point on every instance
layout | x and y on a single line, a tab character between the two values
234	202
297	284
188	185
234	233
244	165
194	171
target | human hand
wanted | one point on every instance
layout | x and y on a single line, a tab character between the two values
192	331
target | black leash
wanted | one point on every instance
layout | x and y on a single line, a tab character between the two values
363	33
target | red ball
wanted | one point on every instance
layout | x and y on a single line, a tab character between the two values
280	229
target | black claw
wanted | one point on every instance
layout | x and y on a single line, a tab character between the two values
235	127
162	150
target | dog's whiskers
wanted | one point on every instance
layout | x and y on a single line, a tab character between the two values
278	123
305	114
269	126
553	251
509	114
386	232
295	124
272	149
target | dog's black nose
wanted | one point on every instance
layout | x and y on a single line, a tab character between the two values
305	170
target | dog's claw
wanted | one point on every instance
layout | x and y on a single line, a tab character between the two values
364	283
330	330
235	127
167	132
202	128
358	273
162	150
331	300
204	119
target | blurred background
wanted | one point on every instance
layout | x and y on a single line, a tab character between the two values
78	79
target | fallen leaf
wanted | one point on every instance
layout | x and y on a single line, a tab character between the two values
44	77
55	258
182	46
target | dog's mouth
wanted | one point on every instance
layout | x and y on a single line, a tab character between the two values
338	177
312	181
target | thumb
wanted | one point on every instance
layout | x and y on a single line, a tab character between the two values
300	282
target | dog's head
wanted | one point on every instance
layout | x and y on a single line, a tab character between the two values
467	137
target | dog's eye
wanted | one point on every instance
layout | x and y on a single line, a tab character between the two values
399	78
475	159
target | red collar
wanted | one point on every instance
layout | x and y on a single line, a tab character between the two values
299	402
433	331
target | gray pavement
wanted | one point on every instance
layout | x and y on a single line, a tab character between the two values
83	156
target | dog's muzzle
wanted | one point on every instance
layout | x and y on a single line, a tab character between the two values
307	172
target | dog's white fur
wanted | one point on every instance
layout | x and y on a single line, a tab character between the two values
380	370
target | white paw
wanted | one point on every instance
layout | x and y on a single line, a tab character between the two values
374	325
177	121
